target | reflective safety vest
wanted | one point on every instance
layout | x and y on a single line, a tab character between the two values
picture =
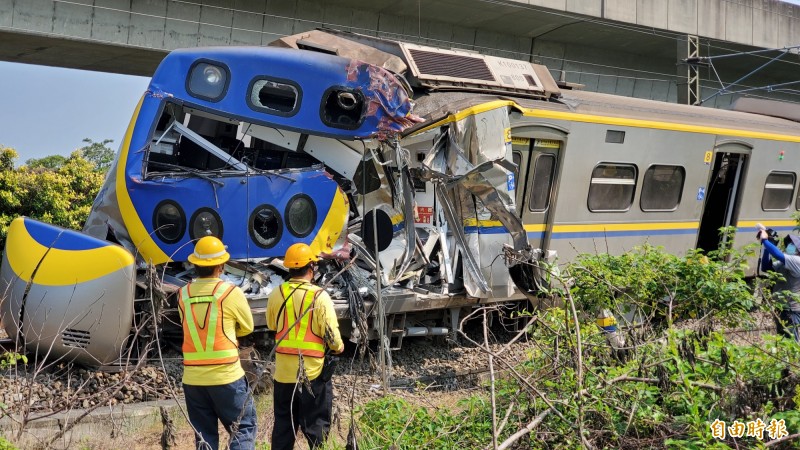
299	338
206	345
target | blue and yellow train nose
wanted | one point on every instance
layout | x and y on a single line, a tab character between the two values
66	292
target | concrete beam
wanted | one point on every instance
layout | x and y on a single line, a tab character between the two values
583	37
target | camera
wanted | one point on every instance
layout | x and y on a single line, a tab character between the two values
772	236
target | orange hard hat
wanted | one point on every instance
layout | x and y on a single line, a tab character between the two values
209	251
299	255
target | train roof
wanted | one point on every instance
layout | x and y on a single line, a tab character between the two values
448	80
642	109
619	110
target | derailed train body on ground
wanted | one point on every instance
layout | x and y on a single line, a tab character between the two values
449	171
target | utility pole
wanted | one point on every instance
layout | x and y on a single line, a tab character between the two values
689	56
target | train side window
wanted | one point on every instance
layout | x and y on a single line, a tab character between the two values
543	171
662	188
517	157
778	191
612	187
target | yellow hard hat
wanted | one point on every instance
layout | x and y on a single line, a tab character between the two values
209	251
299	255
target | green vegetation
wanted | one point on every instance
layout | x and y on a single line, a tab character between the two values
53	189
6	445
10	359
679	374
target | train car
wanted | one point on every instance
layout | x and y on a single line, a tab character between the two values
430	181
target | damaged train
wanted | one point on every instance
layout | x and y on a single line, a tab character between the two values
448	173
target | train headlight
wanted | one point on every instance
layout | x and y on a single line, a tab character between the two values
205	222
207	81
265	226
169	221
301	215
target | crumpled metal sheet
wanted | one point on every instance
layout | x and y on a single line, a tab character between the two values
406	189
387	98
346	48
470	161
474	281
483	136
488	182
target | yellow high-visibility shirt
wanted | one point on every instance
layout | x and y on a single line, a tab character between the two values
237	320
287	366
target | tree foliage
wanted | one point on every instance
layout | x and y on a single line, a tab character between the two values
52	162
61	194
98	153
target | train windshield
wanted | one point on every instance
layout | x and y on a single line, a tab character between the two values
190	142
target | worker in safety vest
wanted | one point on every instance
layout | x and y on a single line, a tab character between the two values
305	323
214	313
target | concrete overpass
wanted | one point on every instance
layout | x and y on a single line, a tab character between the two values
627	47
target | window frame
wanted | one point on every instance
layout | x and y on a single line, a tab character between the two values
680	189
608	181
554	160
275	112
767	183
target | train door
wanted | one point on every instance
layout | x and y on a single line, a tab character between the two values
539	162
722	193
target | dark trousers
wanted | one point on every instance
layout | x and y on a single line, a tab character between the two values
788	323
231	404
295	408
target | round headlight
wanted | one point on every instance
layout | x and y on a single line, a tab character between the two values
207	81
169	221
301	215
213	74
205	222
265	226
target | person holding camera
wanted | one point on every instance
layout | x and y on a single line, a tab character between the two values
786	263
305	323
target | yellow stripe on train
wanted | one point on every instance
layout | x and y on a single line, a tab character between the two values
636	226
60	267
147	247
590	227
332	226
766	223
606	120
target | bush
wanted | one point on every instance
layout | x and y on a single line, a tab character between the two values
60	196
664	286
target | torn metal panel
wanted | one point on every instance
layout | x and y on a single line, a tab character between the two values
484	136
488	182
407	193
320	41
471	159
387	99
384	225
341	156
473	270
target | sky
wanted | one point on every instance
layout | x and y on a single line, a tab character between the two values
48	110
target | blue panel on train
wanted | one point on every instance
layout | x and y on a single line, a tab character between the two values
58	238
258	216
303	84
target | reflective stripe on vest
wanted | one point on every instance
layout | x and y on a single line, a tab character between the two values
201	347
300	338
